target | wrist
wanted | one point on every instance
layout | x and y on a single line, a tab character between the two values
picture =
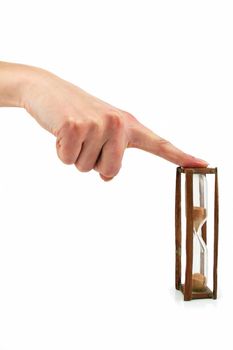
14	79
34	83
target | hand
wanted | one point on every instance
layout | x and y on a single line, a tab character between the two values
91	133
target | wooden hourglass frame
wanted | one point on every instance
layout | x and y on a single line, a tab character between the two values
187	287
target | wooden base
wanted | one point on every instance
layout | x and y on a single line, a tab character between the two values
206	294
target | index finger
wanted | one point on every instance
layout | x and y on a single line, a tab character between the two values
145	139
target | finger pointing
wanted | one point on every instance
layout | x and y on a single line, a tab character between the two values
145	139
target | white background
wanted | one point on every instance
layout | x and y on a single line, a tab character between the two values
90	265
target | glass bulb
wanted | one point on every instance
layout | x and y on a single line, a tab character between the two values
200	253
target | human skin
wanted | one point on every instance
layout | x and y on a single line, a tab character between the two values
90	133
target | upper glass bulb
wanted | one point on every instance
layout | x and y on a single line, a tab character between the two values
199	201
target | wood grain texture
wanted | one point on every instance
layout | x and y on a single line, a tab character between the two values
216	228
189	234
198	170
178	230
207	294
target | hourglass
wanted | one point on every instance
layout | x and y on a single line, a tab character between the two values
196	258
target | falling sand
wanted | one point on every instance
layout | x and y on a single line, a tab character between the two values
199	216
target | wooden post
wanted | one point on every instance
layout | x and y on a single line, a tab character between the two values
216	222
178	229
189	234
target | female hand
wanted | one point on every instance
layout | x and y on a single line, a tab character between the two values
90	133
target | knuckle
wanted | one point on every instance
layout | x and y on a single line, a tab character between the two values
75	127
93	128
70	124
92	125
115	120
71	127
129	116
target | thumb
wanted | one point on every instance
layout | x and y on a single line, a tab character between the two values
145	139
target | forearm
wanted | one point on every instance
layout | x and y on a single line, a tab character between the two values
13	80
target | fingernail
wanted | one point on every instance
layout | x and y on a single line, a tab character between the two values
105	178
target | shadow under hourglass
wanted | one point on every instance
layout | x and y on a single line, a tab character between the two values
196	303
